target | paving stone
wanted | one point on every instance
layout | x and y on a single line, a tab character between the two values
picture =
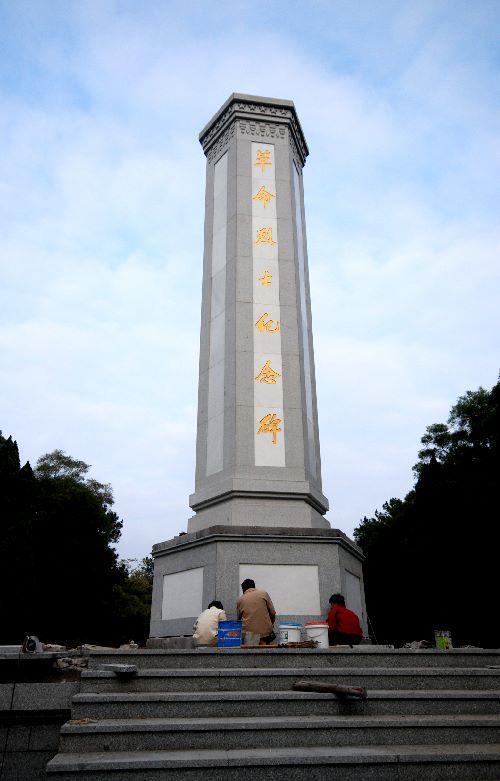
44	696
25	765
18	738
6	690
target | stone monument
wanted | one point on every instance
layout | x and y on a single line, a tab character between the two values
258	501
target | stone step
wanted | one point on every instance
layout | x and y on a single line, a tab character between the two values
267	679
118	705
274	732
377	763
359	656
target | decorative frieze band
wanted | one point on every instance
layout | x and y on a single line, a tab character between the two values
262	129
221	145
285	117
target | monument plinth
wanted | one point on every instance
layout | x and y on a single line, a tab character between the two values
258	500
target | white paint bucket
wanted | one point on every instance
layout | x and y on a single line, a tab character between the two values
318	632
289	633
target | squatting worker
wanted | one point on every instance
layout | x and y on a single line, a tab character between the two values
207	624
257	612
343	624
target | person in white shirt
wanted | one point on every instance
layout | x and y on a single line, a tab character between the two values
206	625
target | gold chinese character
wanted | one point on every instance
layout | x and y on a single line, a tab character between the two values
263	196
263	158
265	236
265	279
262	325
268	374
270	424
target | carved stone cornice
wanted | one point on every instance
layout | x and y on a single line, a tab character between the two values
219	146
263	117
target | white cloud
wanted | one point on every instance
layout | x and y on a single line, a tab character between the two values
102	180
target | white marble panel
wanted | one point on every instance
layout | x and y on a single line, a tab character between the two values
263	249
311	444
220	175
267	294
265	341
293	588
268	398
304	324
260	207
266	452
182	594
218	298
215	402
220	211
215	444
219	241
353	598
217	339
267	171
215	390
267	394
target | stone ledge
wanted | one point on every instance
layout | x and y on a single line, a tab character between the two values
275	533
317	756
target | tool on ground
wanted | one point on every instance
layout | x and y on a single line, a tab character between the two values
342	692
123	671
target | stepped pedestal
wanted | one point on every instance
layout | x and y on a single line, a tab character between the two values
300	568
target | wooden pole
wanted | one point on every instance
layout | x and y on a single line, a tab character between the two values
331	688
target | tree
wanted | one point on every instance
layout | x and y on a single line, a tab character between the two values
58	563
431	558
17	515
132	598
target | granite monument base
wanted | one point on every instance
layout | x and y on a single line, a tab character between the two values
299	567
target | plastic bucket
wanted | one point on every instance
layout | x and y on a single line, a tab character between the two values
443	639
289	633
229	634
318	632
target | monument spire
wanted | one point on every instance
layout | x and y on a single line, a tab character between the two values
257	417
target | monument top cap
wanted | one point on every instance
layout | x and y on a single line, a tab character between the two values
253	107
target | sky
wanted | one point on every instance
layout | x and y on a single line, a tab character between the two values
101	228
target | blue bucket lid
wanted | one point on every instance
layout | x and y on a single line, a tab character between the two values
291	623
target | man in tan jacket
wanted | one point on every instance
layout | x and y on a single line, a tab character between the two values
256	610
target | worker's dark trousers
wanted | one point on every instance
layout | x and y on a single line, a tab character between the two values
339	638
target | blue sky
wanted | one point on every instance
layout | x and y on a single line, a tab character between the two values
100	269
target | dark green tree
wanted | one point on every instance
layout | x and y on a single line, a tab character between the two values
431	558
132	599
59	572
18	492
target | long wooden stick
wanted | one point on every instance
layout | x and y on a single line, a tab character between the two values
331	688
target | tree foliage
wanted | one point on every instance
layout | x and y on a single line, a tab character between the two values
431	558
60	576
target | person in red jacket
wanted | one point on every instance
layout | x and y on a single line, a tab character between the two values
343	624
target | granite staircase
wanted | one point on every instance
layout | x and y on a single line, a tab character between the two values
232	714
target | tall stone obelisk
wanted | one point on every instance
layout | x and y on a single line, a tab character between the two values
258	501
258	460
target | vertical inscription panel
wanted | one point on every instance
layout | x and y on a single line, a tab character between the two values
269	423
216	361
